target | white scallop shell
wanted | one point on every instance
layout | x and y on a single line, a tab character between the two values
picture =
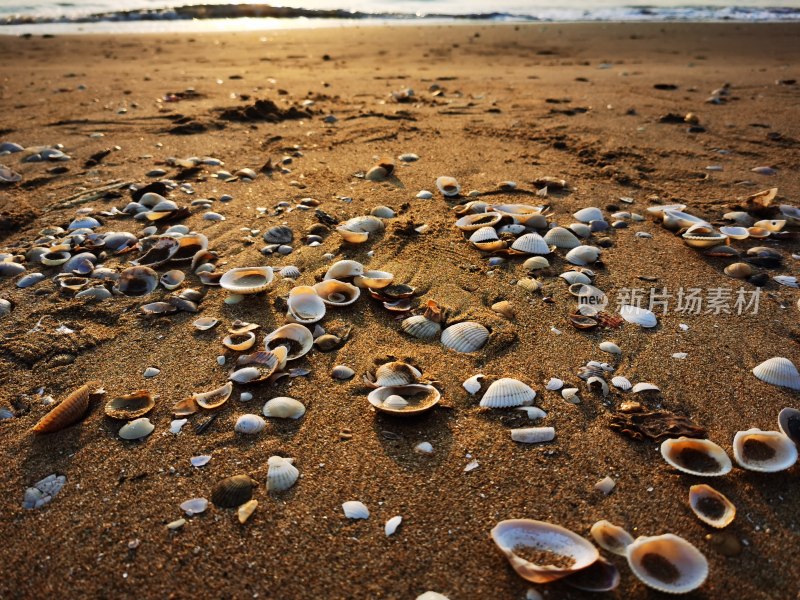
507	392
690	563
778	371
587	215
610	537
515	533
284	407
247	280
554	384
580	229
484	234
621	383
534	263
281	473
353	509
561	238
784	452
473	384
638	316
391	525
644	387
304	305
573	277
421	327
533	435
344	269
467	336
672	450
448	186
395	402
249	424
610	347
396	373
531	243
136	429
583	255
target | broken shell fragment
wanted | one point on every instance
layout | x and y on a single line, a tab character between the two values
667	563
506	393
789	423
130	406
696	457
638	316
611	537
297	340
764	451
473	384
600	576
467	336
247	280
353	509
710	506
238	342
234	491
566	551
416	398
172	279
214	398
284	407
281	473
246	510
533	435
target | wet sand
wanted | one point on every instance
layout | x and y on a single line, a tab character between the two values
519	102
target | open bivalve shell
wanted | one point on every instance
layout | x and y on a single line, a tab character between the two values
611	538
507	392
476	221
281	473
304	305
239	342
764	451
137	281
448	186
523	214
358	229
703	239
638	316
696	457
518	538
600	576
404	400
561	238
667	563
284	407
375	280
778	371
159	252
337	293
259	366
295	338
675	219
130	406
789	423
710	506
214	398
421	327
467	336
344	269
247	280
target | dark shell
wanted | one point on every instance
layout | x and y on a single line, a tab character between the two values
233	491
137	281
158	253
130	406
280	234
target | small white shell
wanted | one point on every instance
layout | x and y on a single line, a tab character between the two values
507	392
587	215
533	435
531	243
467	336
778	371
571	395
239	341
644	387
424	448
194	506
473	384
344	269
136	429
249	424
561	238
610	347
353	509
534	263
281	473
554	384
284	407
764	451
392	525
573	277
621	383
606	485
610	537
667	563
420	327
448	186
583	255
484	234
534	412
247	280
205	323
638	316
696	457
245	375
304	305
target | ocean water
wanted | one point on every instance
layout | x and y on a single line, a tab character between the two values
47	16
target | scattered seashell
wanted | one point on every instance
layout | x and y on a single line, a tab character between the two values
505	308
205	323
566	552
583	255
789	424
735	233
554	384
176	524
448	186
571	395
605	485
600	576
200	461
587	215
249	424
644	387
638	316
247	280
297	340
130	406
279	234
533	435
764	451
391	525
710	506
137	281
424	448
473	384
234	491
304	305
336	293
284	407
70	410
214	398
239	342
466	336
176	425
475	221
404	400
420	327
43	491
667	563
136	429
344	269
611	538
778	371
507	392
396	373
531	243
342	372
562	238
536	263
621	383
610	347
281	474
354	509
787	280
172	279
696	457
246	510
358	229
194	506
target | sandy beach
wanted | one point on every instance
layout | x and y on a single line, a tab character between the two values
600	106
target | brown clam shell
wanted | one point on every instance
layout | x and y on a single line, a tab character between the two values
233	491
130	406
68	411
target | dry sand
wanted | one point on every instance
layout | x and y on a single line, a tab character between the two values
493	123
